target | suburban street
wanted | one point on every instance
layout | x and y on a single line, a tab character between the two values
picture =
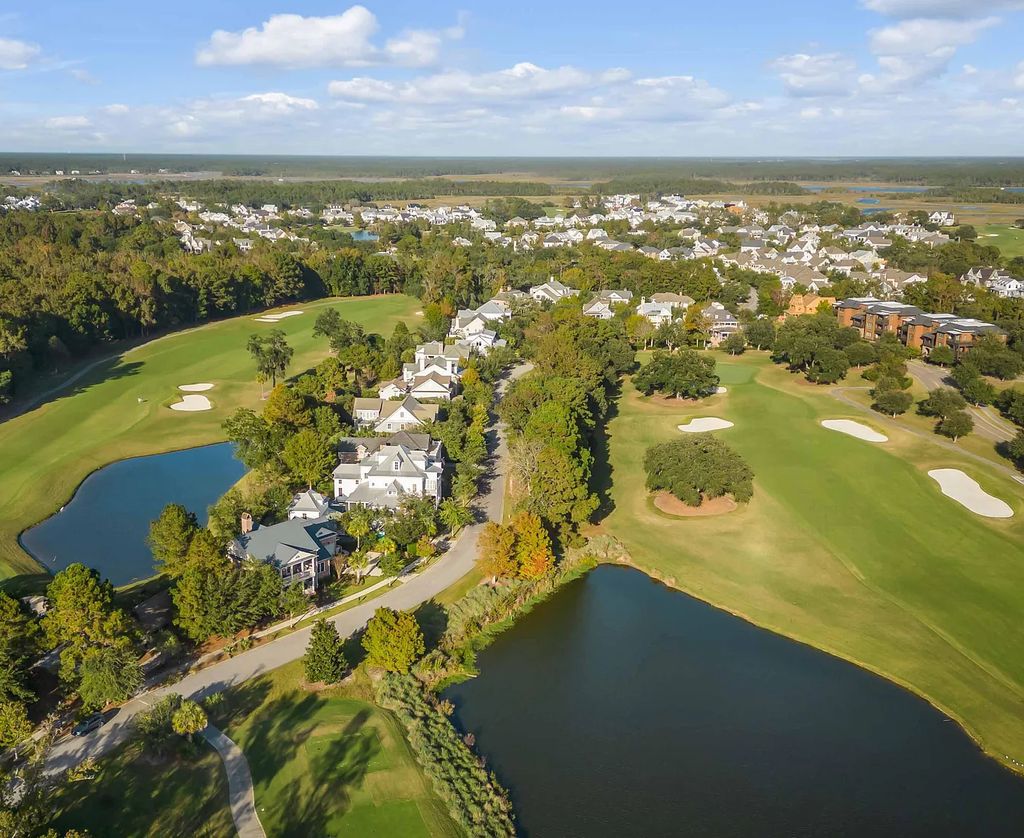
987	422
407	593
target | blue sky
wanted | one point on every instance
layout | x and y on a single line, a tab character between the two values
843	77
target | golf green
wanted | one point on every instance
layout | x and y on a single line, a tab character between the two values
847	545
121	408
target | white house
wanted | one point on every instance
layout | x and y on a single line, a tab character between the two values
378	473
944	218
391	416
602	306
552	291
307	505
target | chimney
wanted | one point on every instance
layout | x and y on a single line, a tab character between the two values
246	523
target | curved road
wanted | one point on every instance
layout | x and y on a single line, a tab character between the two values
409	593
987	422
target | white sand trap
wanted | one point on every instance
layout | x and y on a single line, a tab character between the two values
705	423
965	491
191	404
264	319
418	313
720	390
276	318
195	388
848	426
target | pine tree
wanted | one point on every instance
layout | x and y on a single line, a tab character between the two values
325	657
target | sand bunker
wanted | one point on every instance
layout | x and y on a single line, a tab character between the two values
965	491
721	390
274	318
706	423
195	388
848	426
191	404
671	505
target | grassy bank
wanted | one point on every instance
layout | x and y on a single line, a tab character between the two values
328	762
847	546
146	797
120	408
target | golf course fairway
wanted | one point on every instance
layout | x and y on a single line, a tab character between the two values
847	546
121	408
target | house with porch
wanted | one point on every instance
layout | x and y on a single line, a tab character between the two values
386	416
300	549
379	473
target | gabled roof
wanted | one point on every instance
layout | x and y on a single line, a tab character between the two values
279	543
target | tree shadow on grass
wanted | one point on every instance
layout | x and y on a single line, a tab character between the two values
305	781
601	472
432	618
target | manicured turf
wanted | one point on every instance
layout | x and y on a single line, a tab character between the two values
328	762
1009	239
47	452
847	545
133	795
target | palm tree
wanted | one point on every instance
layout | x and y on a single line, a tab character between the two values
188	719
358	563
358	523
455	515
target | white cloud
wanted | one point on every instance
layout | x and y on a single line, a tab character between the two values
940	8
67	123
115	109
279	103
1018	78
815	75
521	81
84	76
17	55
923	36
292	41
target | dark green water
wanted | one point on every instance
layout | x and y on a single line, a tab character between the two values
106	523
623	708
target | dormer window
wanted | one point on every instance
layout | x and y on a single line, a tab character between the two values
397	465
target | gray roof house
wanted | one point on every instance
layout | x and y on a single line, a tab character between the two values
378	473
300	549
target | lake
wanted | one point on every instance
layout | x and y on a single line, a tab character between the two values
106	523
364	236
620	707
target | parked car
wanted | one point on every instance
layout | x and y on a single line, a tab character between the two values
88	724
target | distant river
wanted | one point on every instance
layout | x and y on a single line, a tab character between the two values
623	708
106	523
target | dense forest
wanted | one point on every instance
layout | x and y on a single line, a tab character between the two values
933	171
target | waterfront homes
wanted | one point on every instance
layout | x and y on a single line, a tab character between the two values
872	318
300	549
386	416
552	291
378	473
309	504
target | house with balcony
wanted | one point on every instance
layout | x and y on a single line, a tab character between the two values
300	549
378	473
873	318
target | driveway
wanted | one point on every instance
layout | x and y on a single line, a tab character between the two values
987	421
408	593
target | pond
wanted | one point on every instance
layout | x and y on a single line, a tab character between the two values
364	236
621	707
106	523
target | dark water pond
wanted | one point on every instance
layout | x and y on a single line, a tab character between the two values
623	708
364	236
106	523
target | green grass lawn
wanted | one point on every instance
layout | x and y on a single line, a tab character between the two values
47	452
329	762
847	545
1009	239
133	795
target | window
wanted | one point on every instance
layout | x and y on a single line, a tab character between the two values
397	465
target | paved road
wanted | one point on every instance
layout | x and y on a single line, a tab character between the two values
839	393
987	421
241	796
411	592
